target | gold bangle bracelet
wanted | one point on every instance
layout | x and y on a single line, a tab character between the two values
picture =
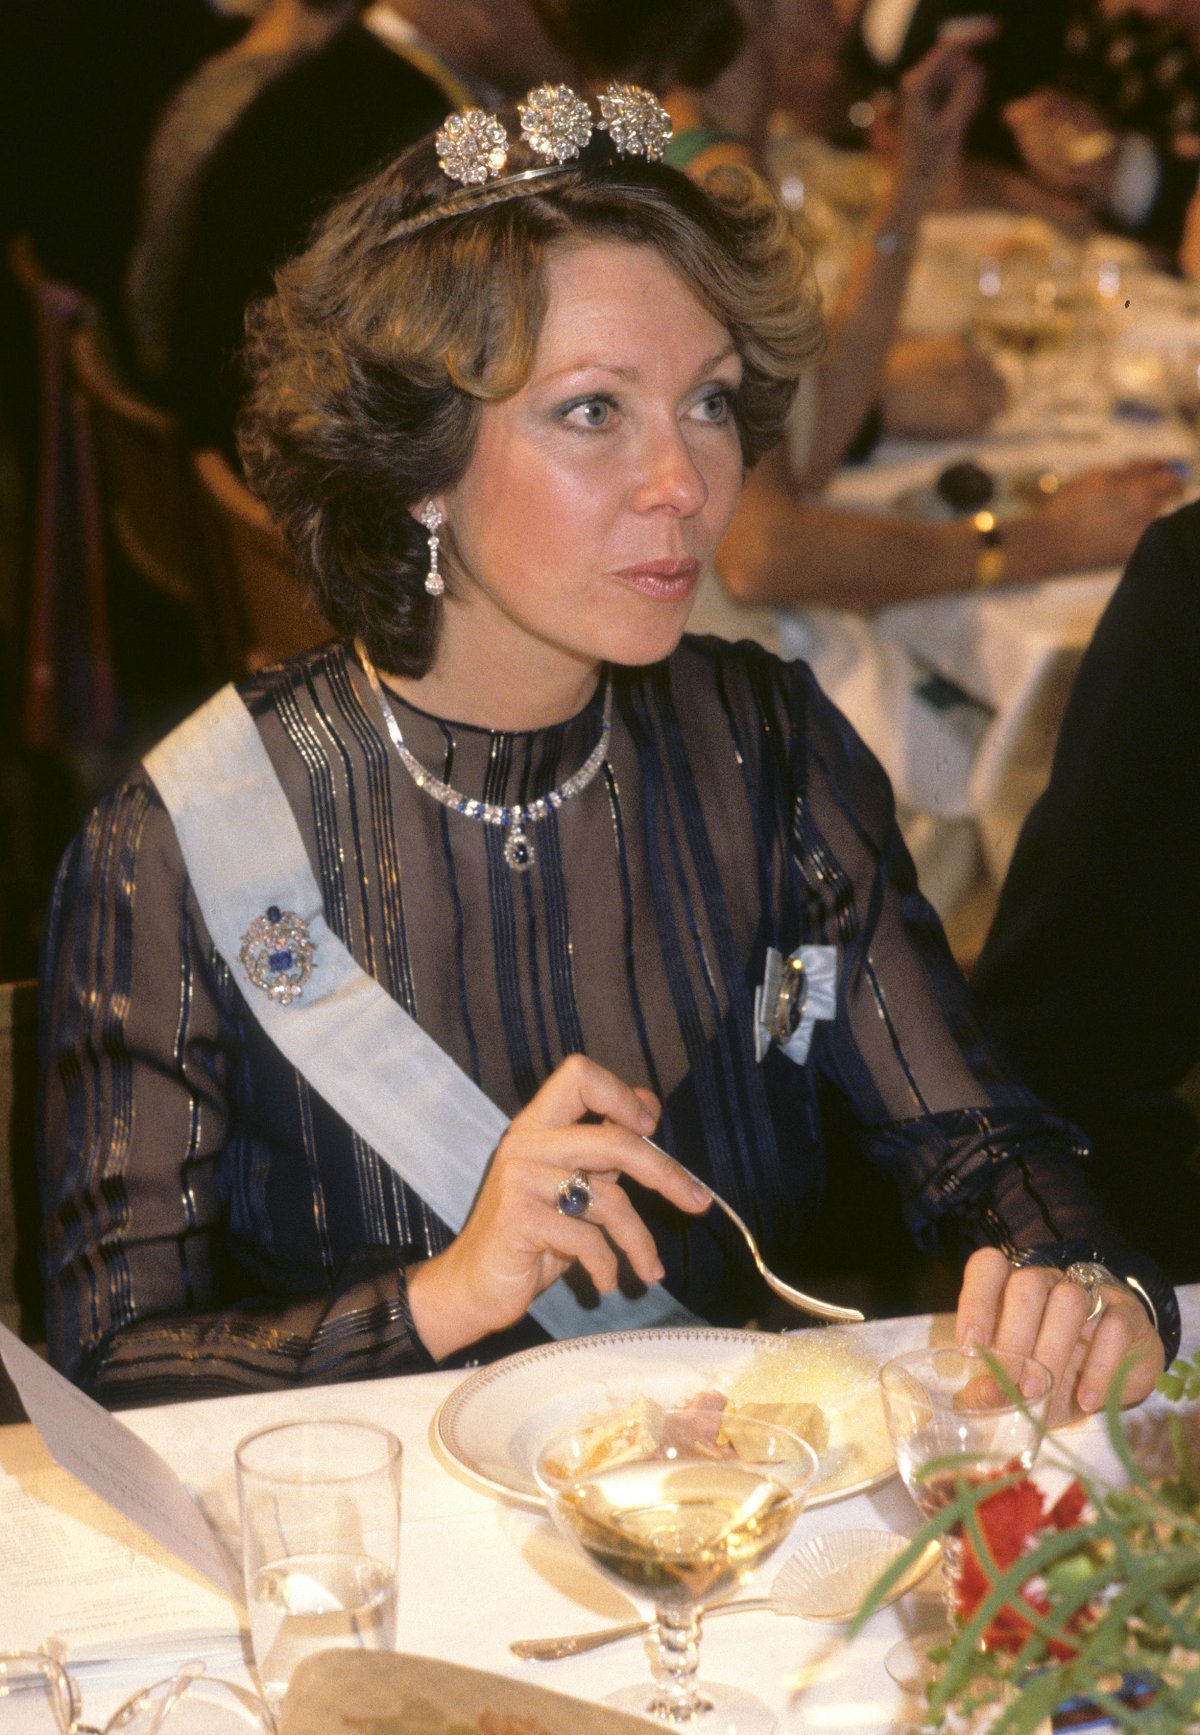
991	557
1140	1292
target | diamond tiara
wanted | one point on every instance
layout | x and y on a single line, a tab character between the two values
472	145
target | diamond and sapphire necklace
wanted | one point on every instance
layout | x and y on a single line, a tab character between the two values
519	852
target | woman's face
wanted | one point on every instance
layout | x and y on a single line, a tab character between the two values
597	492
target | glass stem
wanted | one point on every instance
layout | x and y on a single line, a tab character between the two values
952	1553
676	1699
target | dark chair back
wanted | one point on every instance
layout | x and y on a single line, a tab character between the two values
20	1215
274	615
69	697
147	492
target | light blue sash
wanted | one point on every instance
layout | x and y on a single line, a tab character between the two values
355	1045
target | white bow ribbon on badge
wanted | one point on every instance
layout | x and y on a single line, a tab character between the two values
797	992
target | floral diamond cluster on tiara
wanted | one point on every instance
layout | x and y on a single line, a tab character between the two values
472	145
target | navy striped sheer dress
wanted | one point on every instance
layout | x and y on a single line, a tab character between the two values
212	1225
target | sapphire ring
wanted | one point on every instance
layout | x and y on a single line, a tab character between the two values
574	1195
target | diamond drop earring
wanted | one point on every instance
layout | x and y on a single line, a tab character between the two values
432	518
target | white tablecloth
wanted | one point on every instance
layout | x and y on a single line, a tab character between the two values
1014	650
476	1572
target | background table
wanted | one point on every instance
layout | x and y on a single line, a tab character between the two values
966	774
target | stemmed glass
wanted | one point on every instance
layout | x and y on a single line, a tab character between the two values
678	1519
953	1416
1034	315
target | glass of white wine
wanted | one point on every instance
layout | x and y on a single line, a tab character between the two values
678	1514
320	1510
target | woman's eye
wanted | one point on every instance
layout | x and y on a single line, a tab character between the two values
591	413
715	406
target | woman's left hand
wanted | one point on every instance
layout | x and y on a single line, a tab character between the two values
1033	1310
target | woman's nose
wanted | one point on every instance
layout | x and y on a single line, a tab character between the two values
671	478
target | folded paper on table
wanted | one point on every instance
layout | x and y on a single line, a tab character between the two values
389	1693
114	1463
74	1570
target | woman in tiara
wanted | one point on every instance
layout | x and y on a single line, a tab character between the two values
364	993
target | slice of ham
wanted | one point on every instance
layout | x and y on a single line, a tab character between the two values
695	1425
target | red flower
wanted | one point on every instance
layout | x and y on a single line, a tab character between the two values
1010	1522
1068	1508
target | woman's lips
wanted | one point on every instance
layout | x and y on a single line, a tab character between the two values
666	580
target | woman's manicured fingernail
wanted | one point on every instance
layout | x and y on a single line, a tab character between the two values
646	1121
971	1337
700	1194
1088	1399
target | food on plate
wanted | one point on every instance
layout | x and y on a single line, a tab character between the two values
801	1383
706	1424
822	1368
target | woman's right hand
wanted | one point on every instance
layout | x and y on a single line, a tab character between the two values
1095	519
517	1242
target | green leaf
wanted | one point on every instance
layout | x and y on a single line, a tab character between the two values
877	1595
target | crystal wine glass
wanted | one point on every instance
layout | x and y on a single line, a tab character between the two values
1029	314
678	1518
953	1416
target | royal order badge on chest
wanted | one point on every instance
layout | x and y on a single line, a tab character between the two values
277	954
796	993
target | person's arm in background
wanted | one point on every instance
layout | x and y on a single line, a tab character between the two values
937	388
785	551
938	97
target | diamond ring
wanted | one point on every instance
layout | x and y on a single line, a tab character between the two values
1090	1275
574	1195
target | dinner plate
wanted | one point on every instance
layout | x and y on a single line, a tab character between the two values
352	1692
492	1426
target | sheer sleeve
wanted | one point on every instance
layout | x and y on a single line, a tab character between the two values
142	1055
977	1159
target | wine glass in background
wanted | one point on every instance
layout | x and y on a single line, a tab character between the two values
956	1416
677	1519
1038	318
